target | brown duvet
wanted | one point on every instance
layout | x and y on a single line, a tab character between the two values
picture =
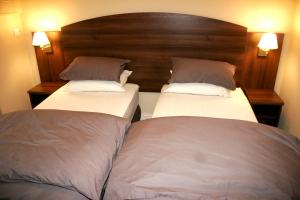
205	158
51	154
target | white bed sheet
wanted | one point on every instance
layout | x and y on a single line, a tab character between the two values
122	104
234	107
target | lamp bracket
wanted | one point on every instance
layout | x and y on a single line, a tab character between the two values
262	52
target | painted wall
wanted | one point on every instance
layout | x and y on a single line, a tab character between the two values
15	68
289	78
257	15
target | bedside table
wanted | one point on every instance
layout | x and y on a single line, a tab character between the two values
41	91
266	105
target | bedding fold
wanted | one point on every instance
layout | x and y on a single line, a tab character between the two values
67	149
35	191
205	158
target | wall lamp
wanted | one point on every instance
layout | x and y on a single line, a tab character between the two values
40	39
267	42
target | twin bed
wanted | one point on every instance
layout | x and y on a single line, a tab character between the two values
124	103
81	145
169	104
234	107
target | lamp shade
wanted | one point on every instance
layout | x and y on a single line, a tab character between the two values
40	39
268	41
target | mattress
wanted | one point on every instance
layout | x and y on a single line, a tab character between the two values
234	107
122	104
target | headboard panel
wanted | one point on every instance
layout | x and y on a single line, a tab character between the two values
149	40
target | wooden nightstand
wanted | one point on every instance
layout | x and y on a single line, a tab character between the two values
266	105
41	91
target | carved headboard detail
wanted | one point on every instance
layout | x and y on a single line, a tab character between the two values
149	40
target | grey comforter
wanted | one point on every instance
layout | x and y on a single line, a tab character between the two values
205	158
51	154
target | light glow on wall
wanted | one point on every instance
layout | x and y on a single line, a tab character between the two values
48	24
265	25
49	20
259	22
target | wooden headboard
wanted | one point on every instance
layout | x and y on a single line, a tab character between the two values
149	40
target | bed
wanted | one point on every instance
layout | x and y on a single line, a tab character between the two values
161	157
205	158
96	84
234	107
211	148
122	104
205	88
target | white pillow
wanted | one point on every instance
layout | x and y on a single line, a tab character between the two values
94	86
98	85
124	76
197	88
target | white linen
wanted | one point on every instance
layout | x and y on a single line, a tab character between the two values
196	88
98	85
122	104
234	107
124	76
94	86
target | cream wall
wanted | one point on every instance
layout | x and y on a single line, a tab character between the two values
257	15
289	77
15	69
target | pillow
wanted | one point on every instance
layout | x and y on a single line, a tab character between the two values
98	86
67	149
124	76
190	70
94	68
197	88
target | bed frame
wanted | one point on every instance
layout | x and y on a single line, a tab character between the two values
149	40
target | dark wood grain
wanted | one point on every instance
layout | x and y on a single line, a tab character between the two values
51	64
263	96
151	39
46	88
260	72
40	92
266	105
